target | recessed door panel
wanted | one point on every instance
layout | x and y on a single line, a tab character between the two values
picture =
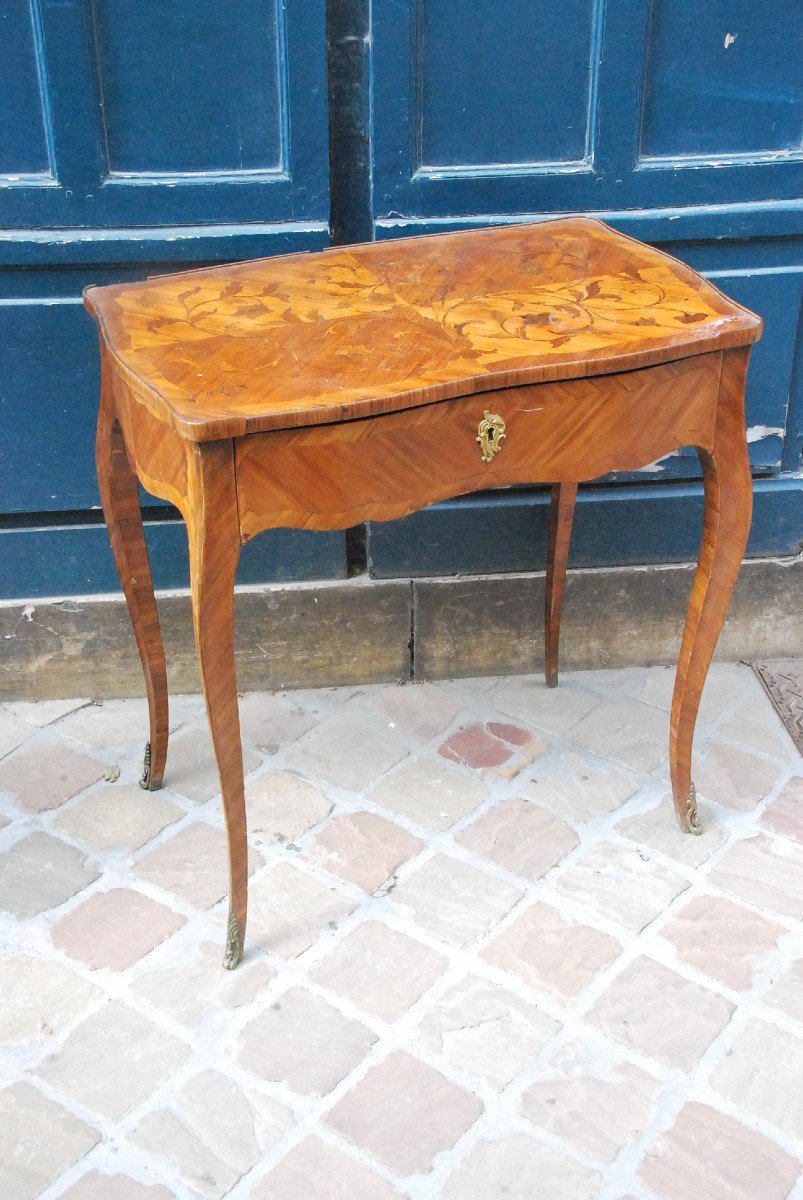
517	90
189	87
23	112
167	112
721	79
48	406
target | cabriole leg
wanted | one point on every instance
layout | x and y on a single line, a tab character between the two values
214	550
120	499
726	524
561	515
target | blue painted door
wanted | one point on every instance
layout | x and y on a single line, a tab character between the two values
134	138
676	121
139	137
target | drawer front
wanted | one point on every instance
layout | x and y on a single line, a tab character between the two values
333	476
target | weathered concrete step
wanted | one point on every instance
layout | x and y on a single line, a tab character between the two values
372	631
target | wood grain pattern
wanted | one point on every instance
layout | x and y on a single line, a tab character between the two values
119	496
214	545
319	391
156	452
382	467
561	516
348	333
726	524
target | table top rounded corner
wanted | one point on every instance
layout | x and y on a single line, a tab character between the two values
355	331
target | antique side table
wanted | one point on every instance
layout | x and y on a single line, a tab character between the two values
322	390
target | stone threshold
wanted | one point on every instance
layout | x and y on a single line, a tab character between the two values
376	631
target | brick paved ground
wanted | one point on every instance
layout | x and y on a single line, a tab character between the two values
483	962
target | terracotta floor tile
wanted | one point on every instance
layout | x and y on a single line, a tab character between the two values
346	753
707	1153
316	1168
599	1103
548	952
453	900
39	1139
403	1113
521	837
483	1030
40	872
660	1013
193	864
520	1168
114	929
118	817
784	814
43	776
112	1060
723	940
761	1075
213	1130
363	849
379	970
302	1041
763	873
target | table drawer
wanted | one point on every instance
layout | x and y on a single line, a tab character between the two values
333	476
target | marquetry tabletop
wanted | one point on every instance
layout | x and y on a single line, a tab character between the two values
345	333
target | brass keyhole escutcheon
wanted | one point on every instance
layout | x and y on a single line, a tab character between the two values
490	432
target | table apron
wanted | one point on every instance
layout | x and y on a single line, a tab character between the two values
334	476
157	454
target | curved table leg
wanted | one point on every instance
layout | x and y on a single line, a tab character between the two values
561	514
119	496
726	524
214	541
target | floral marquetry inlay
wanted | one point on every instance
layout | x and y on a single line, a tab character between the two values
311	338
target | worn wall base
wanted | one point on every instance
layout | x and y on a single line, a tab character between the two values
293	635
371	631
620	617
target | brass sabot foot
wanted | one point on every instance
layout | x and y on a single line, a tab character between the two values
148	781
145	778
234	944
691	824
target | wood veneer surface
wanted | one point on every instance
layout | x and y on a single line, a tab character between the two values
389	465
336	335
